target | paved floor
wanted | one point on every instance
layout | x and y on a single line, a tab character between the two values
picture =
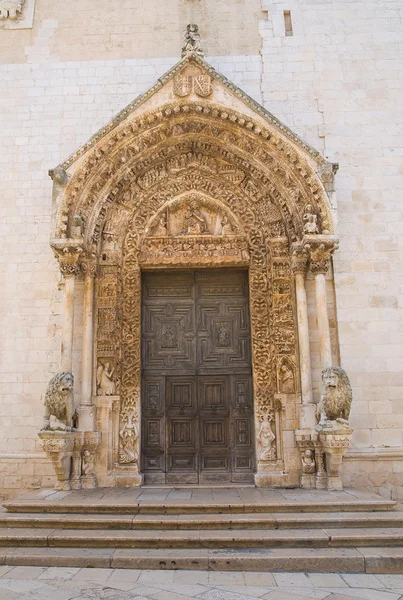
57	583
196	495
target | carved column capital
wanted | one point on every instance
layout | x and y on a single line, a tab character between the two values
320	249
68	252
299	259
89	264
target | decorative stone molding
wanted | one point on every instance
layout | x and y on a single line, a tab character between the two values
320	249
16	14
68	252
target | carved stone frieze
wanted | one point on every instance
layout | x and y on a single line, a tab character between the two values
102	170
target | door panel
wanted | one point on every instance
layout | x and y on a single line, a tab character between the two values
197	407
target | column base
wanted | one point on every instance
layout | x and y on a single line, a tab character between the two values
129	480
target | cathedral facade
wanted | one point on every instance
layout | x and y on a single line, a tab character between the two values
202	249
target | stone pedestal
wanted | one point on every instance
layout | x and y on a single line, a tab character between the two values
59	448
335	444
126	477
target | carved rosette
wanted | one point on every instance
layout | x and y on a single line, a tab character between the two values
320	249
68	253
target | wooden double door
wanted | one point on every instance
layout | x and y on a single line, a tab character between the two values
197	401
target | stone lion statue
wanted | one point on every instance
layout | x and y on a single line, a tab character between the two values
59	402
335	402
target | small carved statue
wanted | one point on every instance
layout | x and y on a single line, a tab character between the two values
129	438
169	338
335	402
194	223
59	403
9	9
226	228
105	383
77	227
88	464
223	335
308	462
161	230
192	41
286	377
310	220
266	437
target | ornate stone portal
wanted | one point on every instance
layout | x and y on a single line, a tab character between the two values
203	180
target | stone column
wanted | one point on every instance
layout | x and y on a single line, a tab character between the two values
299	266
86	410
68	252
320	249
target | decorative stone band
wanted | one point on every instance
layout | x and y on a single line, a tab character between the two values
319	249
68	252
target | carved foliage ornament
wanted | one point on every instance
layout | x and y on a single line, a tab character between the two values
11	9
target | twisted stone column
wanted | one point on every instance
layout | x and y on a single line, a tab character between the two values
299	266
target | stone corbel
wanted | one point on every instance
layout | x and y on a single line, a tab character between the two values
59	447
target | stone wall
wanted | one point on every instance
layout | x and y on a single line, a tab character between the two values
337	82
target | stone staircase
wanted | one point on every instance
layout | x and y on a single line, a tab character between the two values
210	528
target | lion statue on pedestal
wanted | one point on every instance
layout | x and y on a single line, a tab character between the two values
59	403
336	398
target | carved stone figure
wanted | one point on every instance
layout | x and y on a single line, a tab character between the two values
88	464
129	437
9	9
161	230
310	220
195	224
77	227
192	41
226	227
286	377
105	383
335	401
308	462
59	403
266	437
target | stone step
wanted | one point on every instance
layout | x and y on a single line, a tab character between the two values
205	522
133	508
328	560
197	539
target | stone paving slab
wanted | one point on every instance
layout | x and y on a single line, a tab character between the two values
42	583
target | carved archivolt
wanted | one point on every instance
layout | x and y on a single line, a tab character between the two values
193	185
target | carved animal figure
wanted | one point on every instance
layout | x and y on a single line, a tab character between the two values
59	402
335	402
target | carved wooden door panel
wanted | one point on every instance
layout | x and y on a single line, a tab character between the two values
197	411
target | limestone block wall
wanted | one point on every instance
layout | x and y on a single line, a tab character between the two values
337	82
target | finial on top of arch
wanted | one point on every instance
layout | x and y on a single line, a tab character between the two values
192	43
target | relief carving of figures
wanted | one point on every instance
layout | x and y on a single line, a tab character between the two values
129	437
286	378
310	221
87	464
11	9
308	462
194	222
161	229
105	380
266	438
226	227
